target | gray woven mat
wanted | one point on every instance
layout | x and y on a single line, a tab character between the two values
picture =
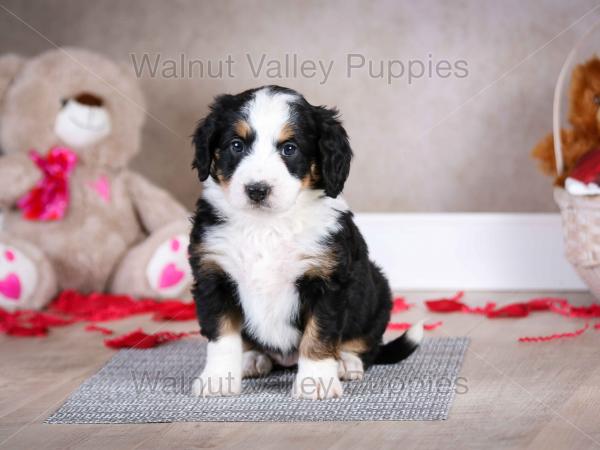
141	386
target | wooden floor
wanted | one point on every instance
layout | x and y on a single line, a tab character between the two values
539	396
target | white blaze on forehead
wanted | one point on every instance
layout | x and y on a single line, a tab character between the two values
268	112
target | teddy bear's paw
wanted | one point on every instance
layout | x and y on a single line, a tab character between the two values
18	277
168	271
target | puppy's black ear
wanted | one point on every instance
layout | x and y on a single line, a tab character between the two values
206	136
203	141
335	153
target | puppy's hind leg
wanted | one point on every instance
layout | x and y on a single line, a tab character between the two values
350	367
350	363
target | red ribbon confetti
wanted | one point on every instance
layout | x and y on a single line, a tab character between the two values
140	339
522	309
399	305
407	325
72	307
554	336
94	327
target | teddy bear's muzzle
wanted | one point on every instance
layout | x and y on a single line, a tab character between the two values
82	121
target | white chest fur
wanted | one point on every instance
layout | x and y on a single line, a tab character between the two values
265	254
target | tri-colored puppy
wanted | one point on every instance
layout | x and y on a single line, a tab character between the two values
282	274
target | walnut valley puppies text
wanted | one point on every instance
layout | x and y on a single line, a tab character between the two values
292	66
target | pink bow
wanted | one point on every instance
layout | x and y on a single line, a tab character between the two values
49	199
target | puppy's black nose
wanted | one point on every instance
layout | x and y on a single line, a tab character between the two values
257	192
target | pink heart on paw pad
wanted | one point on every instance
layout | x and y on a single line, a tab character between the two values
9	255
170	276
10	287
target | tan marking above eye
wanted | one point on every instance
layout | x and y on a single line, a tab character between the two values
286	133
242	128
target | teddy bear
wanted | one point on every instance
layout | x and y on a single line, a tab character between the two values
581	143
74	217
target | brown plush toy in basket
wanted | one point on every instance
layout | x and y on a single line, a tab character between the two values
572	156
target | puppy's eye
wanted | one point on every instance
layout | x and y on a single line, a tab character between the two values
597	99
237	146
63	102
289	149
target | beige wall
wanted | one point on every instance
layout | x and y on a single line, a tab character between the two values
436	144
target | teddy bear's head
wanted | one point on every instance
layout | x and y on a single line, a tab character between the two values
73	98
584	106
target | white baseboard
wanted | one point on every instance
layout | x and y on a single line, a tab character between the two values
470	251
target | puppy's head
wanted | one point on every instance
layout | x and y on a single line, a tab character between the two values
263	147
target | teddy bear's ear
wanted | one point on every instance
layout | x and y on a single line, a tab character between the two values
583	89
10	65
578	85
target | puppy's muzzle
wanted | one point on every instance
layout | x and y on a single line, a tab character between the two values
258	192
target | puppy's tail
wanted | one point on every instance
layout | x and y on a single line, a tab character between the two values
401	347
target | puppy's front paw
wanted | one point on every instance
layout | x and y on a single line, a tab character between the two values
317	380
222	374
216	385
310	388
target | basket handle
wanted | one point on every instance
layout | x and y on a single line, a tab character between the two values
558	155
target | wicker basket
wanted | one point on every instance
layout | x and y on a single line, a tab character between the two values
581	230
580	214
